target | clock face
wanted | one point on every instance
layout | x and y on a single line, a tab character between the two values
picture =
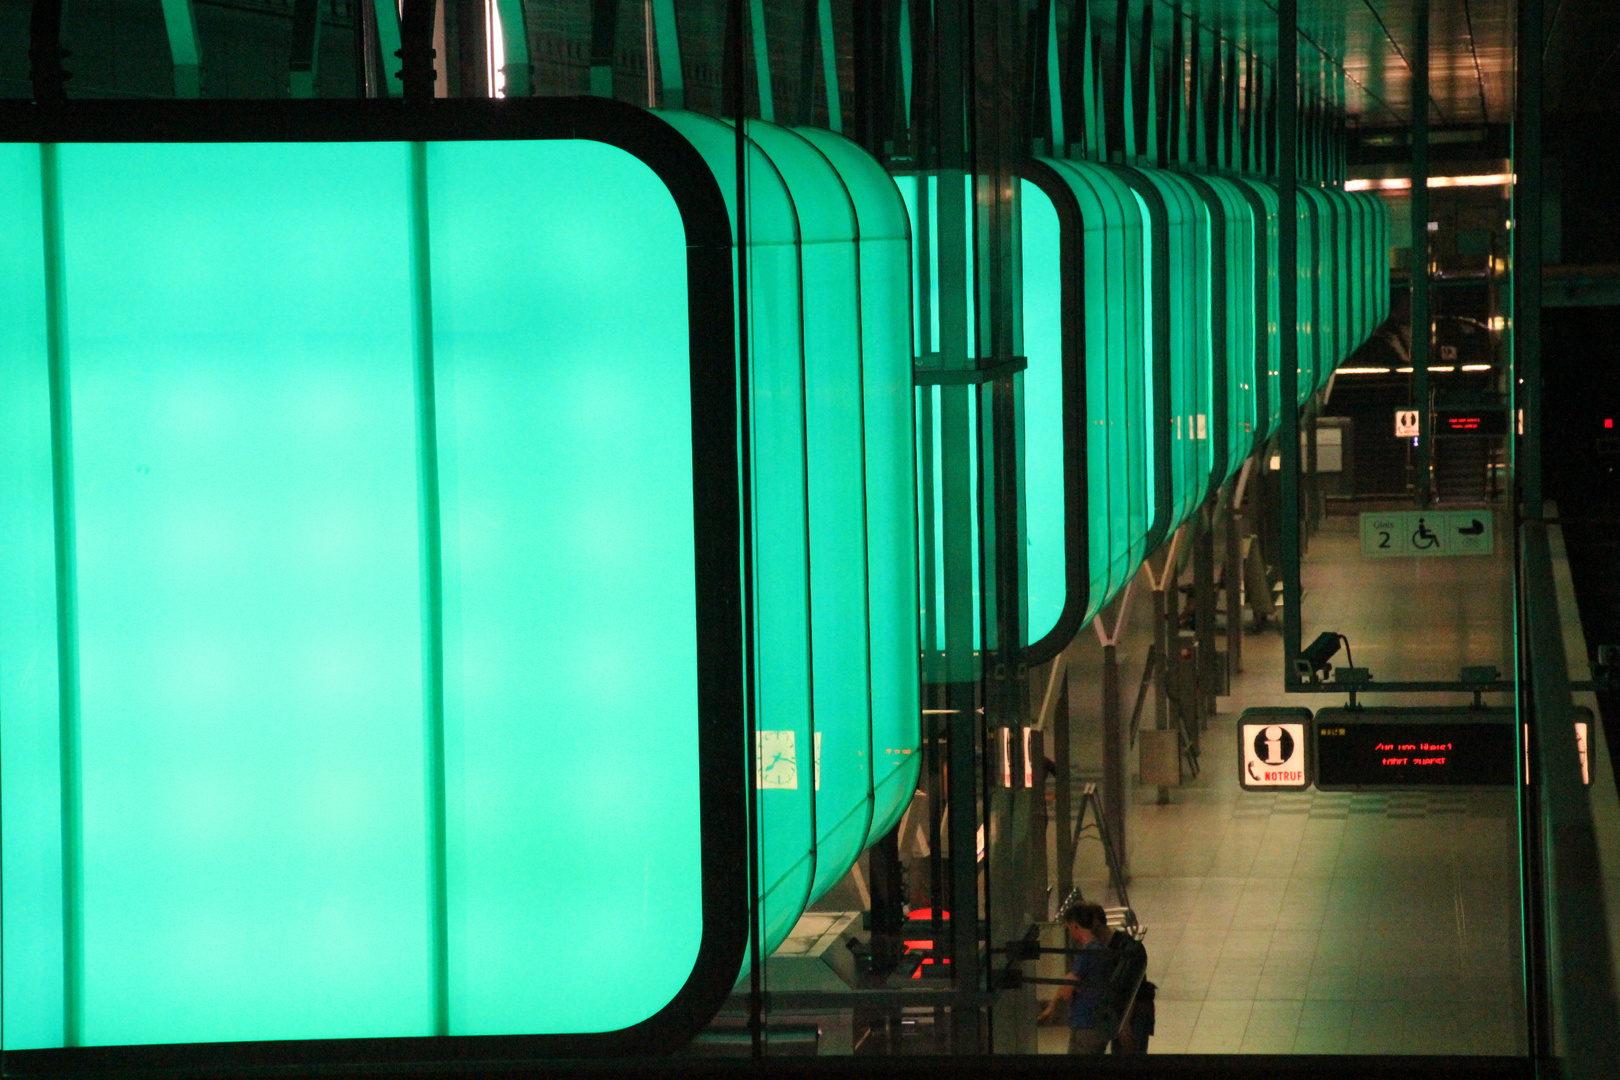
778	760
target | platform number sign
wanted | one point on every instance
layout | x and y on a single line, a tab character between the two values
1427	532
1274	750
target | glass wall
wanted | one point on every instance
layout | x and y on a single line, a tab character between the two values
698	528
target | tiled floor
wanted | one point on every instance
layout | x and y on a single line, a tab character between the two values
1337	923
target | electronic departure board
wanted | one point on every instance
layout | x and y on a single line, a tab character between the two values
1414	748
1475	421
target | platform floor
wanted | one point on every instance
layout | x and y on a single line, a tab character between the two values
1335	922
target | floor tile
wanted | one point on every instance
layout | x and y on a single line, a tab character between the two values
1220	1028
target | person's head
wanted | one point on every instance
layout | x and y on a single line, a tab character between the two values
1086	922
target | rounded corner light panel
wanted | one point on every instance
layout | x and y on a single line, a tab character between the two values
1150	303
372	659
833	510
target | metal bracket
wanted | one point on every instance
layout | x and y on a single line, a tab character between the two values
968	376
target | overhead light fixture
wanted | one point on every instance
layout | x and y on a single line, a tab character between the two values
1404	183
1476	367
1363	371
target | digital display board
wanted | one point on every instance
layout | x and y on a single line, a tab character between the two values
1470	422
1414	748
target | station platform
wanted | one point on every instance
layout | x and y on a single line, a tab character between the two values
1332	923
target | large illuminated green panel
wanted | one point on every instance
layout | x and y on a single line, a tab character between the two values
1355	282
891	512
924	196
1237	352
780	525
1116	361
248	634
1345	270
1186	236
564	406
1269	284
1326	266
1306	315
1045	535
841	762
319	407
30	770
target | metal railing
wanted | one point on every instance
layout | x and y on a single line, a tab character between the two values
1573	1012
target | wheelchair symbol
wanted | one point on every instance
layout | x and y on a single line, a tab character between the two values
1423	539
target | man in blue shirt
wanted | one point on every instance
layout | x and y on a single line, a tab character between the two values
1089	971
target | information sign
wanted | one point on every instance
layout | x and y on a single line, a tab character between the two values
1406	424
1427	532
1274	749
1406	747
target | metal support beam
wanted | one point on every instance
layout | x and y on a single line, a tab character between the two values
604	35
416	53
515	64
1234	568
1312	480
180	20
1288	319
1421	321
1125	144
762	61
1062	763
384	22
1527	251
303	64
1572	966
1209	659
1116	747
816	39
672	84
45	52
1176	136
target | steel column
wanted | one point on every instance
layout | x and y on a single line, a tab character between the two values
1288	319
180	21
1421	331
1115	744
1204	614
1234	571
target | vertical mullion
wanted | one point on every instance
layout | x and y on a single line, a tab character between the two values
427	461
1288	318
67	602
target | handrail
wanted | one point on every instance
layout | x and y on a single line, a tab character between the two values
1585	1033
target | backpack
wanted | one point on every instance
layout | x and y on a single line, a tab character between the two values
1124	983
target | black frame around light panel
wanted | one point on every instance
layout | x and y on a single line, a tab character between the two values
1221	364
1262	314
1164	477
1076	492
720	537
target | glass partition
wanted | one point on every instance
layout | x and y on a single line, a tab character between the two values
1186	257
1052	585
434	531
884	248
305	549
1263	201
1105	289
785	739
1234	308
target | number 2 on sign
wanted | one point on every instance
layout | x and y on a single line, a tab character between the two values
1384	542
